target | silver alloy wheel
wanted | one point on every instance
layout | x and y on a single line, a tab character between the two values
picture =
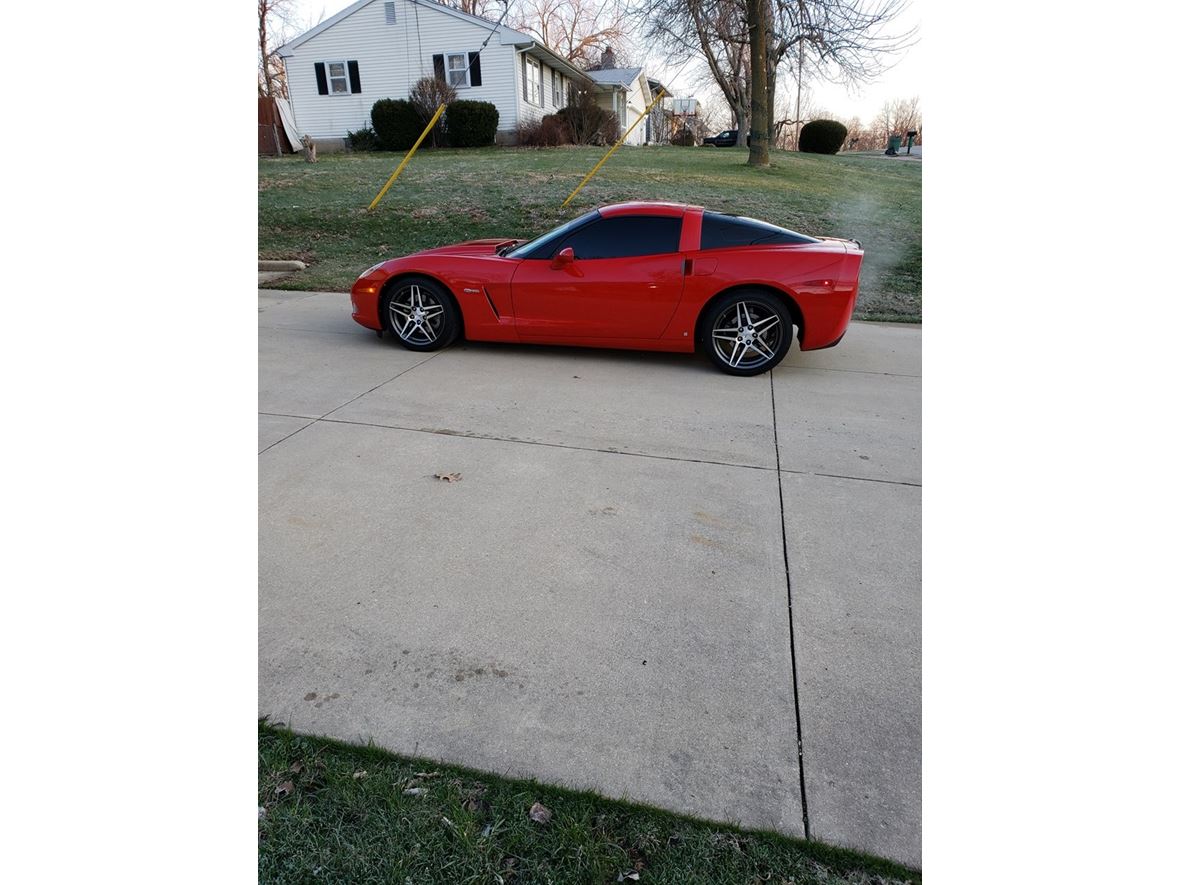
747	335
416	315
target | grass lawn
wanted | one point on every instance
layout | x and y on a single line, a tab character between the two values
334	813
316	212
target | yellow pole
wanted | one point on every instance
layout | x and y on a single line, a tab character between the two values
590	175
406	158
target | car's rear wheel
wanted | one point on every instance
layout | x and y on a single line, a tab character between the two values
422	314
747	332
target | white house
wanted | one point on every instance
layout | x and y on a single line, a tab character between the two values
380	48
626	92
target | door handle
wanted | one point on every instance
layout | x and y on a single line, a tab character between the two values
688	267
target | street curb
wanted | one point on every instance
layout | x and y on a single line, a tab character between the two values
281	265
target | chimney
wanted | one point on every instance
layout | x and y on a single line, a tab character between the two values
607	62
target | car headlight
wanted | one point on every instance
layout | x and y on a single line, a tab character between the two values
372	270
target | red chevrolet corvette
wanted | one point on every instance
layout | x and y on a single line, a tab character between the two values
644	276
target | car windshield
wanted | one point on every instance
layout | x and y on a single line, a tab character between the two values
537	248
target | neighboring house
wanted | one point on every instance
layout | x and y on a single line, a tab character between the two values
626	92
658	123
380	48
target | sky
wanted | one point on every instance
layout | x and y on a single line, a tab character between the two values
902	80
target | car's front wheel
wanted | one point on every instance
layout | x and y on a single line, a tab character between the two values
422	314
747	332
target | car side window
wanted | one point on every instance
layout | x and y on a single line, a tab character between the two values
625	236
725	231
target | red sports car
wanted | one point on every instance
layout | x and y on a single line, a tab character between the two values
643	276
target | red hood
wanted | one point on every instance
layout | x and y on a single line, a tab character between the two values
471	247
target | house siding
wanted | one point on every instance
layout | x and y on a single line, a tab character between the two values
527	111
390	62
628	110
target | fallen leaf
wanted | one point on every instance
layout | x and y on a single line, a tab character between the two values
414	791
296	768
449	477
476	805
540	813
357	775
261	812
426	774
633	876
285	789
447	821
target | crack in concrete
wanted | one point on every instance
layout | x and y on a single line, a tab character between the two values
790	621
464	434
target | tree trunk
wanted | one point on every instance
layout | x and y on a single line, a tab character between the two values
759	114
772	55
771	83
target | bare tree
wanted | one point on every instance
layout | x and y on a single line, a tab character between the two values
713	30
758	20
489	9
896	117
276	22
843	40
858	137
427	94
579	30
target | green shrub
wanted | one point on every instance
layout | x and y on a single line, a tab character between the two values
822	137
364	139
396	123
684	138
472	123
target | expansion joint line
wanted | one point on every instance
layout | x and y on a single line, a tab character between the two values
790	616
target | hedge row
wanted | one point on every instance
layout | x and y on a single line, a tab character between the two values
397	123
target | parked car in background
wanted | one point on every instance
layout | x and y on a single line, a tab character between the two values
728	138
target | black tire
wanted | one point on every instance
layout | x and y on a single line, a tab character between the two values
747	332
421	314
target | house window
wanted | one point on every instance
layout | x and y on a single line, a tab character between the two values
457	69
337	78
533	87
558	85
390	14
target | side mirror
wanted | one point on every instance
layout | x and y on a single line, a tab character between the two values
564	257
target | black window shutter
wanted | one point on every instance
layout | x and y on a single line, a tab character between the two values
476	78
524	79
354	76
321	78
439	70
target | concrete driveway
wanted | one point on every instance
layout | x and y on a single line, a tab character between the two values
652	579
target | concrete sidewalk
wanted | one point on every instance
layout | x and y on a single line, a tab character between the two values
603	599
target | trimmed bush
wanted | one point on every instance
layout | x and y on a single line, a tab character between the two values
364	139
684	138
822	137
396	123
472	123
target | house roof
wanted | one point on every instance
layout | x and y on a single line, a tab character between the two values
508	36
614	76
655	86
513	37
